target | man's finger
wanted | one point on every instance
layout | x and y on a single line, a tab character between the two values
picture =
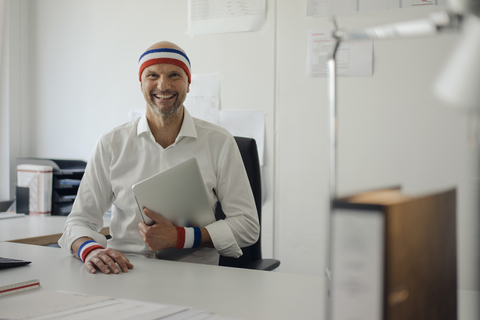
90	267
153	215
100	265
110	263
122	261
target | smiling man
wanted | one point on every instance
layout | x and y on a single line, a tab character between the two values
162	138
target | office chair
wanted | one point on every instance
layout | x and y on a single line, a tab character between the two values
252	255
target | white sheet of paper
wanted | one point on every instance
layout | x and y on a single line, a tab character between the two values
203	100
249	124
219	16
333	7
44	304
354	58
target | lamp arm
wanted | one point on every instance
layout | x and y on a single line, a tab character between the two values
436	22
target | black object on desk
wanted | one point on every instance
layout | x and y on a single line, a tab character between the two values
12	263
5	204
67	175
23	199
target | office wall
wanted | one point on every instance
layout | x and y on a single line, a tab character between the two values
81	82
391	132
4	161
14	103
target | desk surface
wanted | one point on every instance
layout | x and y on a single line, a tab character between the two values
39	230
30	226
228	292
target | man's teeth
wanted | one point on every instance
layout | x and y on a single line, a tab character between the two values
164	96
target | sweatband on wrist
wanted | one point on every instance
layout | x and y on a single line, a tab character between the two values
188	238
86	248
164	55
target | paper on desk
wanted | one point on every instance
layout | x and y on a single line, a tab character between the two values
219	16
43	305
38	179
203	100
249	124
354	58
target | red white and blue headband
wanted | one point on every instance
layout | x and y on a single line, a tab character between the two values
164	55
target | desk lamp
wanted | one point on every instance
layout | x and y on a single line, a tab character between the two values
458	85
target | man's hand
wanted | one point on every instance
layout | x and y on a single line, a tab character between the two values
161	235
106	260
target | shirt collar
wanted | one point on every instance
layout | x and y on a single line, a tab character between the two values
187	130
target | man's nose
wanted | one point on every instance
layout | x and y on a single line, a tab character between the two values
163	83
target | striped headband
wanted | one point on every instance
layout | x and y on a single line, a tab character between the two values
164	55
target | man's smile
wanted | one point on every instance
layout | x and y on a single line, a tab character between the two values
164	96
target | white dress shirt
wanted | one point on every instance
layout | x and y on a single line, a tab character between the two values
129	154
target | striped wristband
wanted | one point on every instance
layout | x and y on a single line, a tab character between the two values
86	248
188	238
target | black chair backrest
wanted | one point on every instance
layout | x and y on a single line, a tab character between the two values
248	150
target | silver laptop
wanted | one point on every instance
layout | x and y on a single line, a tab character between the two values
178	194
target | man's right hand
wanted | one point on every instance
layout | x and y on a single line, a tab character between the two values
106	260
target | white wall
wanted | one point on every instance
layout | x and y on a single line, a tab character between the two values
81	81
4	161
391	132
15	116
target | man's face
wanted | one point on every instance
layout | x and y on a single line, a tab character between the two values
165	87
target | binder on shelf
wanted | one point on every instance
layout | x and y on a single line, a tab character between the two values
66	178
23	199
394	256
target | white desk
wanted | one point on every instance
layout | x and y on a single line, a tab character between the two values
40	230
231	292
228	292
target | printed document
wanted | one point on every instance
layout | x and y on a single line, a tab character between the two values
334	7
219	16
354	58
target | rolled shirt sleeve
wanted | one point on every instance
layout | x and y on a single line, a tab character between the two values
93	200
241	226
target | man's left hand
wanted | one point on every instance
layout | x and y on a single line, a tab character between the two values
161	235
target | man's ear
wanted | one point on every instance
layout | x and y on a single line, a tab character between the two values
188	88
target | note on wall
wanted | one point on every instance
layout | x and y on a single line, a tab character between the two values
223	16
249	124
354	58
203	100
333	7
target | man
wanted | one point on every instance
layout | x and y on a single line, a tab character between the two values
164	137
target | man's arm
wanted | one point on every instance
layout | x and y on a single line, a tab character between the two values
106	260
163	234
86	219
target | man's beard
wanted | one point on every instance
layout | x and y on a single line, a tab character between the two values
165	113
